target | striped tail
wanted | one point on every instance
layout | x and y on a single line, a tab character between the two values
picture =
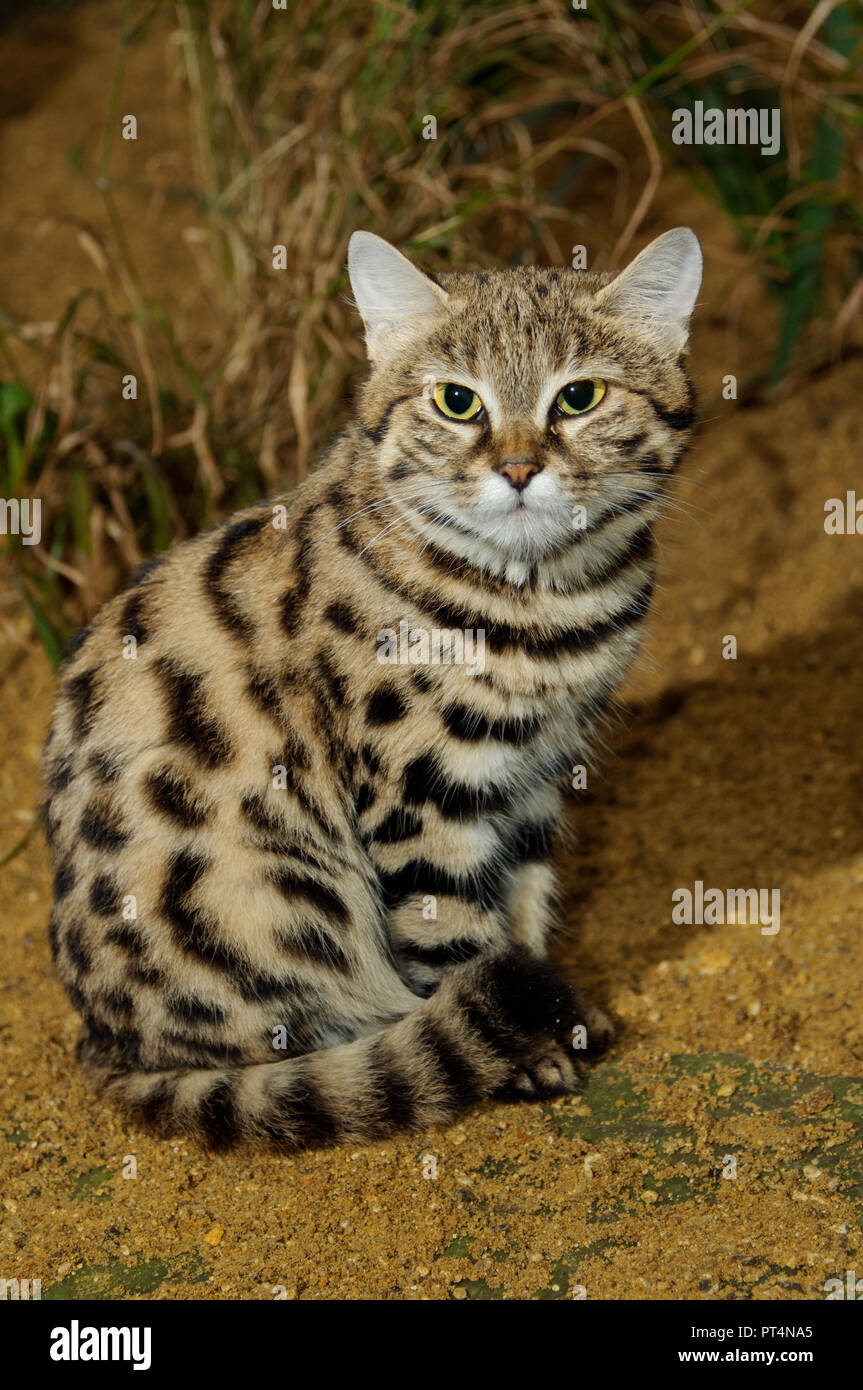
481	1033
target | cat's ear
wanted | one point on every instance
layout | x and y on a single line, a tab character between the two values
391	293
656	293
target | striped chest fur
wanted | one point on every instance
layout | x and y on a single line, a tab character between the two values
304	776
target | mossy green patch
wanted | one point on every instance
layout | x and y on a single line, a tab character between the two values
558	1284
118	1280
479	1289
496	1167
697	1063
813	1111
458	1249
562	1279
615	1108
669	1190
89	1186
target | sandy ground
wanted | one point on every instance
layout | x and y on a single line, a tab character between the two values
717	1153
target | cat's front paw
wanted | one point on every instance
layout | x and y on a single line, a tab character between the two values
550	1070
553	1064
599	1031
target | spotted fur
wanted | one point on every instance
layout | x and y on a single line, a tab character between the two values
304	896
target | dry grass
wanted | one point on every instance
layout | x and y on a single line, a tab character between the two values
309	123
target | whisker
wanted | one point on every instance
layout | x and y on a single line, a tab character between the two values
399	521
365	511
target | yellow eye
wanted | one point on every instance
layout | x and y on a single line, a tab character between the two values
458	402
577	397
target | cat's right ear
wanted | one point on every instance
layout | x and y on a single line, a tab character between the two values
656	292
391	293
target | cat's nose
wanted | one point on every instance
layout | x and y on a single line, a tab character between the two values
518	472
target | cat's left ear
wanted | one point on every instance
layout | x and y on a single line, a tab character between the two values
391	293
656	293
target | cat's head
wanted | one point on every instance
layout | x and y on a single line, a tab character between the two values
521	407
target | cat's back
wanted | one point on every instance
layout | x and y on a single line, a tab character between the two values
195	626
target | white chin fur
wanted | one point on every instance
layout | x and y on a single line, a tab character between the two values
522	523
